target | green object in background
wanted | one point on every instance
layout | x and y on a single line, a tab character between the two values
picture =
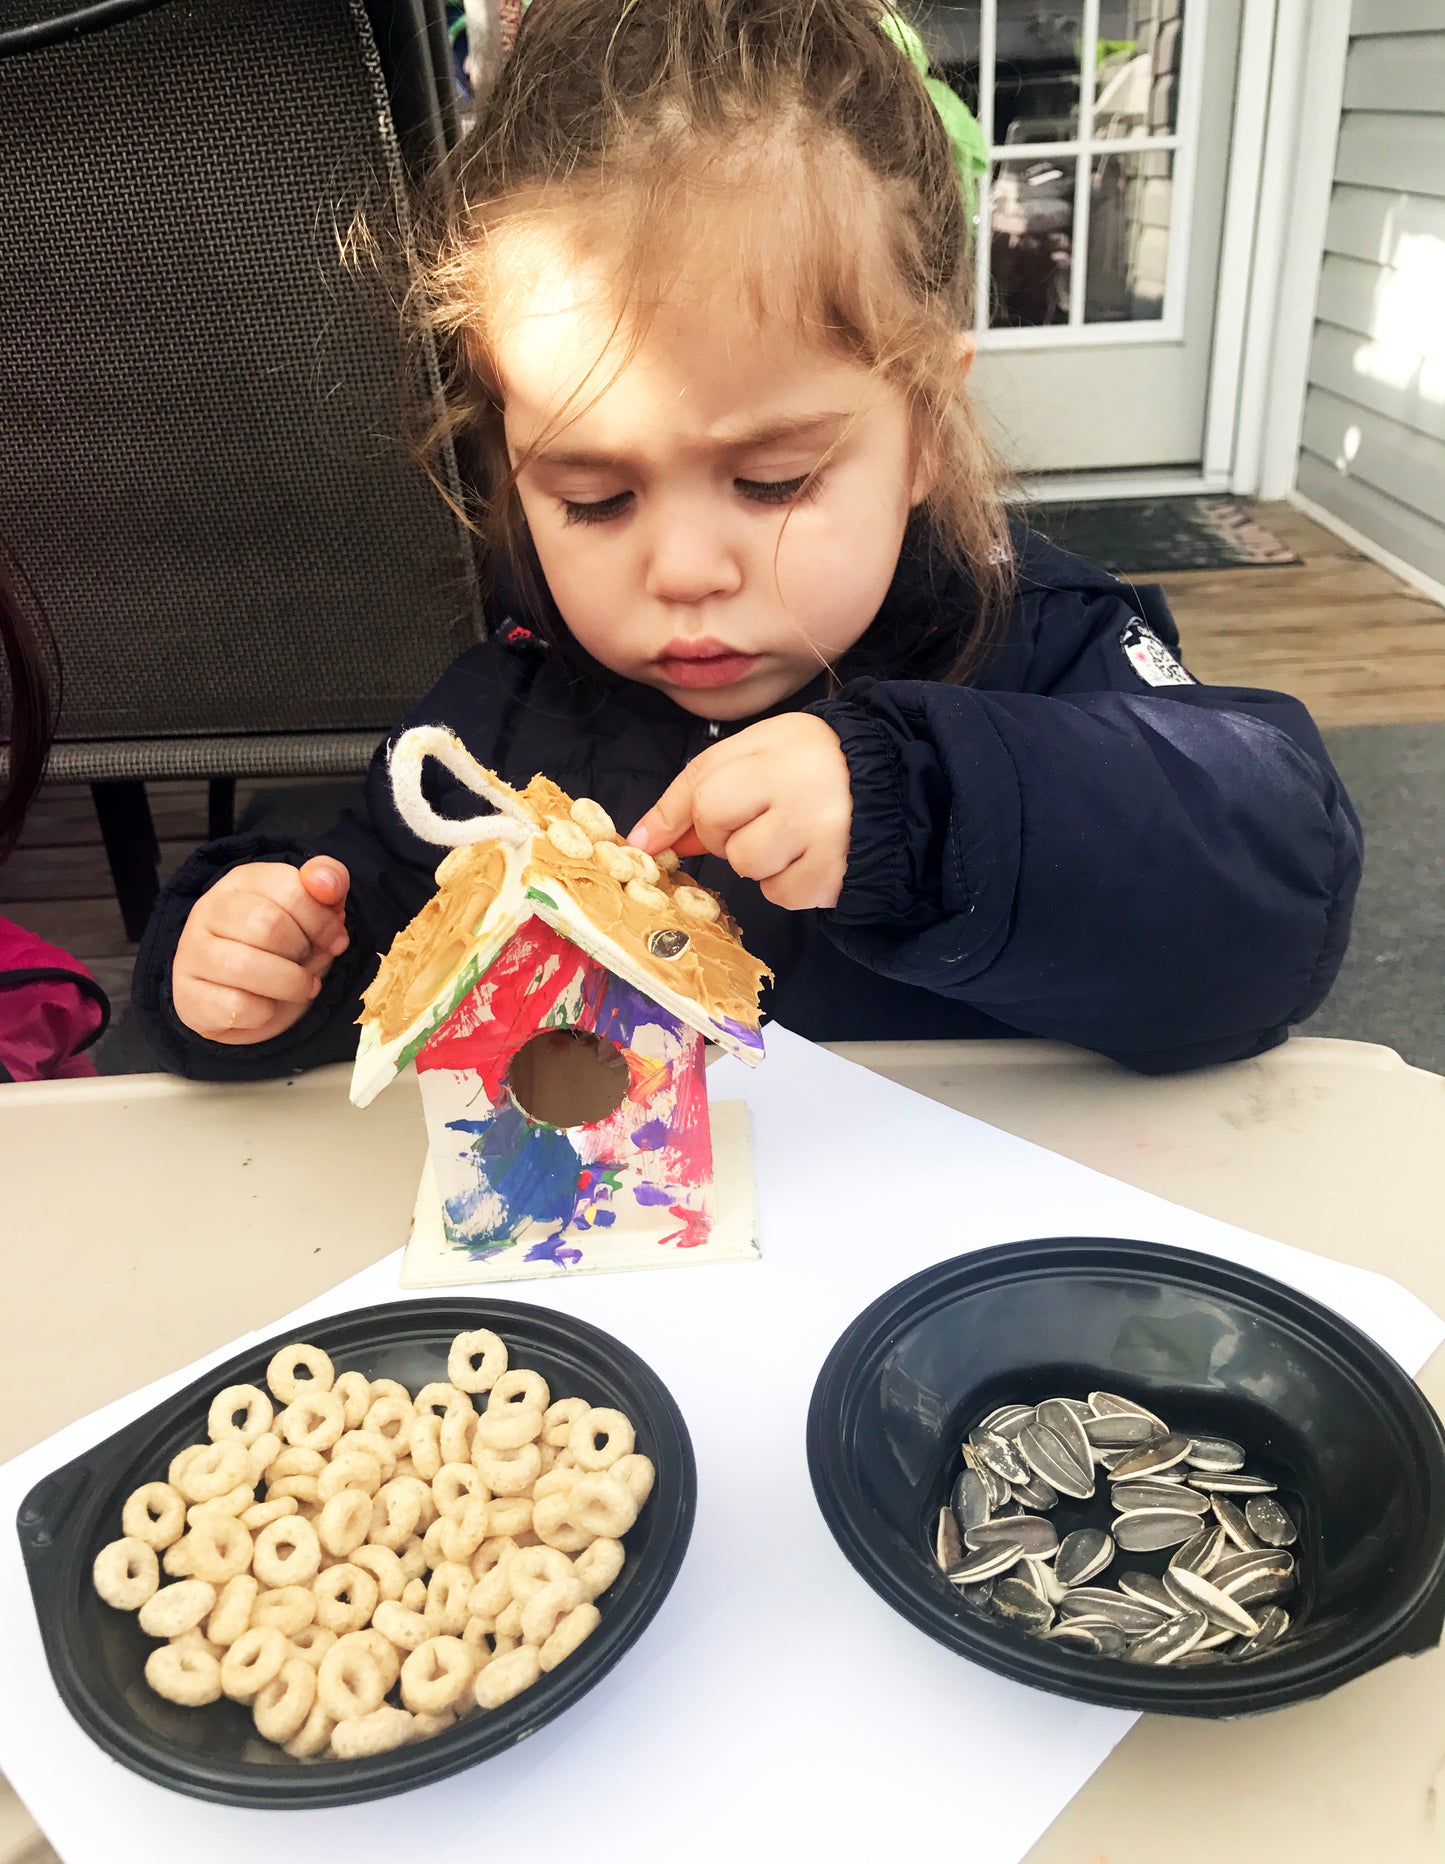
970	151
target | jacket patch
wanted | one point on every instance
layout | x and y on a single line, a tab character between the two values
1151	659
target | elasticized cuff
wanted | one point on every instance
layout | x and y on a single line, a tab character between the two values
878	885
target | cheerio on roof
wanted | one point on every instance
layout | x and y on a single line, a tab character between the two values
543	854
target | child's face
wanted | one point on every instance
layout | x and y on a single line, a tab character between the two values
658	513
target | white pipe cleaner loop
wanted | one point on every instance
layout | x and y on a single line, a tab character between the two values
405	761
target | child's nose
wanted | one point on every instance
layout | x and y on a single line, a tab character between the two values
691	558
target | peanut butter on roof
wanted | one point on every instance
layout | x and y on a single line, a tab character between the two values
669	928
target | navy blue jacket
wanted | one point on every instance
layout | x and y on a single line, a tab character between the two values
1083	844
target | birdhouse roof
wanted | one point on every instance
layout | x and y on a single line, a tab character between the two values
561	860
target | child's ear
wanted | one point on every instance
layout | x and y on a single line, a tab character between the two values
925	469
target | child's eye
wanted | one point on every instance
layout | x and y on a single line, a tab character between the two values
597	511
777	491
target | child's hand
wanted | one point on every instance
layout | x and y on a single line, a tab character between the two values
774	801
256	947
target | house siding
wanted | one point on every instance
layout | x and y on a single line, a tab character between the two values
1372	449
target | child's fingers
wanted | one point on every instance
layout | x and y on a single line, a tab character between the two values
220	1014
226	962
669	818
273	887
764	847
254	920
815	881
325	879
707	804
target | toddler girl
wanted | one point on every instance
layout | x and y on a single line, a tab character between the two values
703	278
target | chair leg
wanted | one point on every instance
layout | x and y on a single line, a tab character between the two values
126	828
221	812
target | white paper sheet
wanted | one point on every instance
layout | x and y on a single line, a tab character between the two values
776	1706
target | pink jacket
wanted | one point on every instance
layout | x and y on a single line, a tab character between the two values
51	1009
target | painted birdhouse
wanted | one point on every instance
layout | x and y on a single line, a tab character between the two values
554	995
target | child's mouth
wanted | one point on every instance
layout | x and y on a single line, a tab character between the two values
703	663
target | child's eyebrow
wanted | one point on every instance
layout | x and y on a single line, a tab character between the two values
770	433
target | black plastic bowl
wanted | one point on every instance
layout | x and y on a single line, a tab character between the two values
1358	1453
97	1654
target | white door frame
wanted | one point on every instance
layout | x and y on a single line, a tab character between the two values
1288	97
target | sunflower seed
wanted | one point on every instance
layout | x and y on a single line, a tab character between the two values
999	1455
1145	1530
969	1500
1055	1414
1000	1491
1200	1553
1273	1623
1099	1640
1110	1404
1037	1537
1130	1495
1036	1493
1270	1522
1050	1457
1015	1601
1041	1578
984	1564
1162	1454
947	1541
1218	1607
1082	1554
1218	1454
1231	1566
1119	1431
1008	1420
1261	1589
1170	1641
1231	1519
1077	1637
1150	1590
1131	1616
1171	1493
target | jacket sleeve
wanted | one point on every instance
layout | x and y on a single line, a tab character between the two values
392	877
1135	863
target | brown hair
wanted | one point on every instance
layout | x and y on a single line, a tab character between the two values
655	128
32	709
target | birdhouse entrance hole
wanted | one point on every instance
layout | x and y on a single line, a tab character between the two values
568	1077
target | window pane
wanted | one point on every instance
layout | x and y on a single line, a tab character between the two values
1036	93
1032	225
1137	81
1130	201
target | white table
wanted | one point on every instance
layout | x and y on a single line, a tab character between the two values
157	1219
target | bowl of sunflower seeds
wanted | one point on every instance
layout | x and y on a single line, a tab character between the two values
1134	1475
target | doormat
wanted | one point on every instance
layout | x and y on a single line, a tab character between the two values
1143	536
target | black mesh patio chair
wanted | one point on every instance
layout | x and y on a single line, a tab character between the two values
202	469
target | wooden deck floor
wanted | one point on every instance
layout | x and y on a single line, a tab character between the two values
1338	631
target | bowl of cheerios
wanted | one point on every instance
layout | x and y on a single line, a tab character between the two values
347	1564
